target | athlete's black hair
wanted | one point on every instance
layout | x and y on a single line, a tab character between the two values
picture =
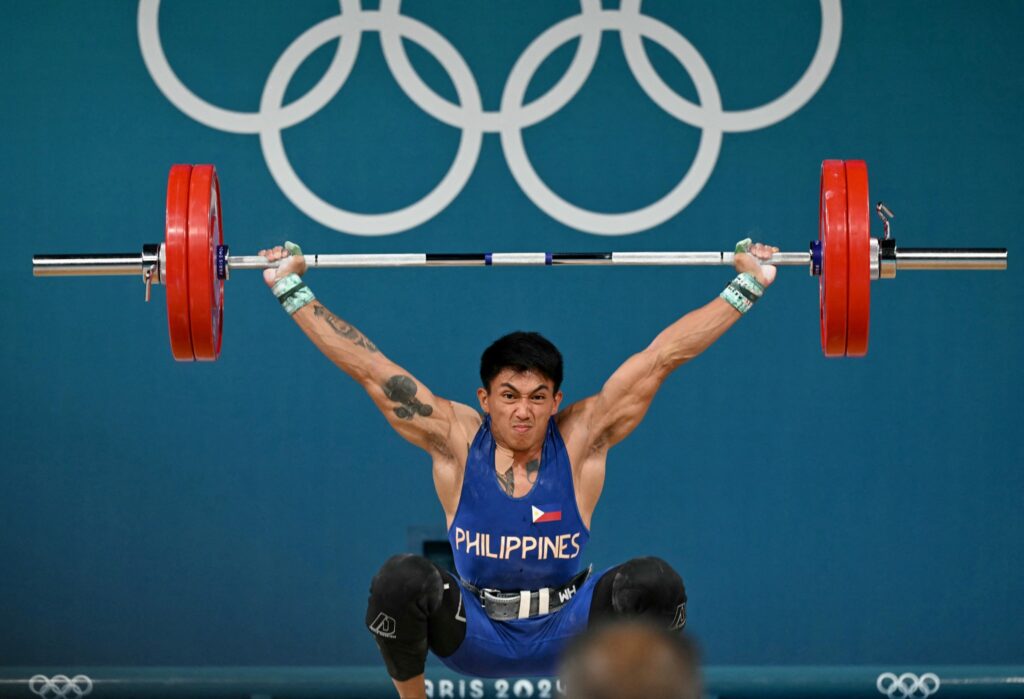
521	351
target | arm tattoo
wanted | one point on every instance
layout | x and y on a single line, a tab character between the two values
402	390
532	469
342	328
508	481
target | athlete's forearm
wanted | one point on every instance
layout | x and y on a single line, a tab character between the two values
412	410
692	334
341	342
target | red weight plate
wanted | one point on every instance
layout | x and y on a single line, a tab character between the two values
205	291
858	228
832	285
176	262
218	283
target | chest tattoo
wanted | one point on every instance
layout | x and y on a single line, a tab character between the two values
532	469
507	478
508	481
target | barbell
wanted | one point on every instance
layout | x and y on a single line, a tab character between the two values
193	262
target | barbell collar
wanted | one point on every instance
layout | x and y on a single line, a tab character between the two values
887	257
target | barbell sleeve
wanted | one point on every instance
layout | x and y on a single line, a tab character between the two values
953	259
87	265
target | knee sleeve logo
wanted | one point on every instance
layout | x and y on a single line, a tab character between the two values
384	626
680	618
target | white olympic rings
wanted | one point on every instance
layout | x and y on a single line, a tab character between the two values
908	685
60	686
468	114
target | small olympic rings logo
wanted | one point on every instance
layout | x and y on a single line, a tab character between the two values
908	685
60	686
468	113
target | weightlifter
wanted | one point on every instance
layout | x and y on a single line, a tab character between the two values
518	483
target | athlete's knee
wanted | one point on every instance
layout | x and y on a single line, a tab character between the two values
648	583
645	587
412	607
406	584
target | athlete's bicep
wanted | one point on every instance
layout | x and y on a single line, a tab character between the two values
428	421
624	399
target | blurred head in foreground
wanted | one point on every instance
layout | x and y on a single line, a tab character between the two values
631	660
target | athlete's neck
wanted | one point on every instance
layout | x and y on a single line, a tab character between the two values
505	457
516	470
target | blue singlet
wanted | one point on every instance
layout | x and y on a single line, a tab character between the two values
513	544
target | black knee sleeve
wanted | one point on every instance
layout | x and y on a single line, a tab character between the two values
642	587
414	605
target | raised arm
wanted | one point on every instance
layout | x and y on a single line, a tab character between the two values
429	422
602	420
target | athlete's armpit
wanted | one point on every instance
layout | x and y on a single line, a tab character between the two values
441	446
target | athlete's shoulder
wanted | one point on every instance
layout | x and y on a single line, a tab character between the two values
575	412
572	421
468	419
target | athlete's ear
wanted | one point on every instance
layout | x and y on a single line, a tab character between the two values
482	395
558	402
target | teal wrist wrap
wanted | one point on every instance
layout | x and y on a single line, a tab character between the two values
293	293
285	284
743	292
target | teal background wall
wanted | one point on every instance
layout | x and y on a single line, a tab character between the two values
871	511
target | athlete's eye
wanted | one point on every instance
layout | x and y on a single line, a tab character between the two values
540	398
507	396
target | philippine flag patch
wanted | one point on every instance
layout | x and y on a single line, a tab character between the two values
548	514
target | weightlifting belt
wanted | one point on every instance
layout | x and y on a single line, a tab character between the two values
505	606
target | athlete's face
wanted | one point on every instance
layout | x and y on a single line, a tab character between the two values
520	405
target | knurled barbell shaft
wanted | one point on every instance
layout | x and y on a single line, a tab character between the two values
129	264
521	259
